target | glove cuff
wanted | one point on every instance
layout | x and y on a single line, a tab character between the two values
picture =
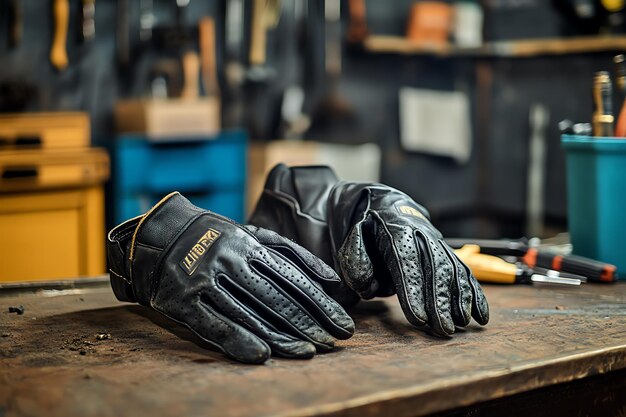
293	204
118	244
135	246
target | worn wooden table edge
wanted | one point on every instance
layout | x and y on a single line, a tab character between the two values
427	399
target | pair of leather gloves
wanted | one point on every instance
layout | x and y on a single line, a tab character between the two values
251	292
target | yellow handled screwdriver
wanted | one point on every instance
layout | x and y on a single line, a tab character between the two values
490	268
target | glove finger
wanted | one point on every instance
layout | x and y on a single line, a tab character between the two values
305	260
438	274
280	343
480	307
270	301
215	328
460	290
293	281
356	264
401	254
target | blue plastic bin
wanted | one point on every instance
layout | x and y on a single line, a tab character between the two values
210	172
194	165
596	198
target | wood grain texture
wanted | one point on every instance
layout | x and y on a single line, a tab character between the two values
52	364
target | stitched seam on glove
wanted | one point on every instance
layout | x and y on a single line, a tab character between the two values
433	274
320	277
455	269
296	303
278	315
218	316
252	313
399	263
120	276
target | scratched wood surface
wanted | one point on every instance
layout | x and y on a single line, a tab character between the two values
52	364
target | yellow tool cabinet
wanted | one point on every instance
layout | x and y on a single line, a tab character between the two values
52	211
52	234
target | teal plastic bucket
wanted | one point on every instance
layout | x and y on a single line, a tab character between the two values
596	198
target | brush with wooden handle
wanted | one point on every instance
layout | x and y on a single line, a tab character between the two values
191	72
208	58
58	52
258	33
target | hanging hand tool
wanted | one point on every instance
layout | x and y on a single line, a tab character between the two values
265	15
123	35
535	190
208	56
490	268
191	71
58	52
146	20
233	69
176	40
334	113
292	122
544	258
15	23
357	25
88	20
258	33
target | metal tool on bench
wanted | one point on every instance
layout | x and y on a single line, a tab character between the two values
492	269
543	258
567	127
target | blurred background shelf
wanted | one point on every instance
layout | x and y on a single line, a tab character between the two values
500	49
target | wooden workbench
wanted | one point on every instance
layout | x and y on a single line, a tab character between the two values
52	364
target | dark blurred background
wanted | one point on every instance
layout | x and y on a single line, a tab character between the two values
483	196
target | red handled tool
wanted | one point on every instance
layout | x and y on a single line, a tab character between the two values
543	258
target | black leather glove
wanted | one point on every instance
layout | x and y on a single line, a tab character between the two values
245	290
294	204
380	241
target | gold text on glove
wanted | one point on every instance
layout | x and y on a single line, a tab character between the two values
411	211
198	251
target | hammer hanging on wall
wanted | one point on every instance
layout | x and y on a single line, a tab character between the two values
58	51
